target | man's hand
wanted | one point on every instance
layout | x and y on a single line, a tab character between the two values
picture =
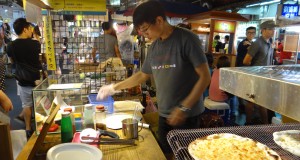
177	117
5	102
247	43
105	91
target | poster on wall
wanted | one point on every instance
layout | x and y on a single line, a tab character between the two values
291	42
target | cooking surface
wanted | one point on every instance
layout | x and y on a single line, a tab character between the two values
180	139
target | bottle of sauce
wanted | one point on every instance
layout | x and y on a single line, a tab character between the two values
66	128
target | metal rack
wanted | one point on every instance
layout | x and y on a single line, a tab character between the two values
180	139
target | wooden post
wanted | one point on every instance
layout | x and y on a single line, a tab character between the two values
5	142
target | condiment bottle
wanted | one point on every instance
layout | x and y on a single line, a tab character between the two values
88	116
66	128
100	118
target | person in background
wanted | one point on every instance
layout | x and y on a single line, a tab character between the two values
217	45
244	46
179	68
226	44
260	53
241	53
25	50
36	34
2	75
6	35
111	48
215	93
5	102
1	41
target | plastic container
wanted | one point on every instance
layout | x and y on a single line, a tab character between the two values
108	103
78	121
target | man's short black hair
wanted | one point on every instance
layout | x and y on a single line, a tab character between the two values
147	12
217	37
227	37
106	26
251	28
20	24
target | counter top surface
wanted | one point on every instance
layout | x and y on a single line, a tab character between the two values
146	147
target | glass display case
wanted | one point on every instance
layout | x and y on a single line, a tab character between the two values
71	90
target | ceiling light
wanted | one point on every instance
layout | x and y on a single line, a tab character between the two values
263	3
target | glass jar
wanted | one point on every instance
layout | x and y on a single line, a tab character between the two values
88	116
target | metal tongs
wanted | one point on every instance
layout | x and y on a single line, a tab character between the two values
113	140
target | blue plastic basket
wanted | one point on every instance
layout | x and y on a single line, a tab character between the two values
108	102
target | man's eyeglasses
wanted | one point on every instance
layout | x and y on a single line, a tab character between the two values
144	30
251	32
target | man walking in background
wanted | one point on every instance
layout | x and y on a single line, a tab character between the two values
26	51
108	42
260	53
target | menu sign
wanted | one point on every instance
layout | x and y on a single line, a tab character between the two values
49	43
290	10
77	5
224	26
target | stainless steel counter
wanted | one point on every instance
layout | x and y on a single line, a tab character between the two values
274	87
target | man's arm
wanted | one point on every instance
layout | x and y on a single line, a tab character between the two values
132	81
5	102
247	60
177	116
117	51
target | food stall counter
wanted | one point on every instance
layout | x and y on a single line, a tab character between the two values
146	147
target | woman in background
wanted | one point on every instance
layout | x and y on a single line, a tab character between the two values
215	93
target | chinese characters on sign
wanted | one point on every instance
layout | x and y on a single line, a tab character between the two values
78	5
290	10
49	44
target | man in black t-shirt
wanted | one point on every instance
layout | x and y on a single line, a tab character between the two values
244	45
25	50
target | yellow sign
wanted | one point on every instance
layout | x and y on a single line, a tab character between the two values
224	26
77	5
49	43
